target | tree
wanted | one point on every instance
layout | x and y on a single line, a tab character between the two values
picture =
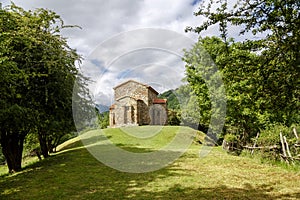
102	118
173	107
181	107
39	72
237	68
170	95
15	112
261	75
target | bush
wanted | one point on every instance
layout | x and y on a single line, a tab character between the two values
103	120
271	137
230	138
31	143
231	144
173	118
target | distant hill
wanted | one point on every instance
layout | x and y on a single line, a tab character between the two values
102	108
173	102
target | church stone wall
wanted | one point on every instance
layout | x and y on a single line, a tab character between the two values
133	89
133	101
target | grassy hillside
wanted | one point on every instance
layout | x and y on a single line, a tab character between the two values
73	173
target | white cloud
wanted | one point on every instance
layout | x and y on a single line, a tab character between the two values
151	56
101	19
109	63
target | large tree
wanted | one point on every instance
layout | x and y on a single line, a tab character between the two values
261	75
38	71
237	68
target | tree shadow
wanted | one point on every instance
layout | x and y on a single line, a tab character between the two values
74	166
218	192
76	174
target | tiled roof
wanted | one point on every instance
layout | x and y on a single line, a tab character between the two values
160	101
112	107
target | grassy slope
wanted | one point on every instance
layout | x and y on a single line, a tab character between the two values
74	173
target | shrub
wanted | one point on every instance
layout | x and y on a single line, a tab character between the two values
231	143
173	118
271	136
230	138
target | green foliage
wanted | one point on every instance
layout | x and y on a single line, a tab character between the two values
173	118
230	138
31	142
261	75
271	136
182	107
173	102
38	73
103	119
230	61
231	144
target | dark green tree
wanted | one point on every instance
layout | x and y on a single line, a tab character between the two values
16	113
103	119
38	71
237	68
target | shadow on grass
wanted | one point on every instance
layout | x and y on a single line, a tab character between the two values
76	174
219	192
86	141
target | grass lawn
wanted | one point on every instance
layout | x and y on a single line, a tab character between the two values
73	173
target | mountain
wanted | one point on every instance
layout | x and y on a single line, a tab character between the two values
102	108
173	102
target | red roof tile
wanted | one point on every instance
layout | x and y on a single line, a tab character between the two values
160	101
112	107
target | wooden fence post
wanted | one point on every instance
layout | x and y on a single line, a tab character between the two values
282	144
287	147
255	143
295	133
288	150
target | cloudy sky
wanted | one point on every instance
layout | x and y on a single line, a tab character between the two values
128	39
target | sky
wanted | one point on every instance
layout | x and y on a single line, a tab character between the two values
128	39
101	19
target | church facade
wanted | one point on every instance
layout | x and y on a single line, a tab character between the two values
136	104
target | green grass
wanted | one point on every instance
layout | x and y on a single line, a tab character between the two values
73	173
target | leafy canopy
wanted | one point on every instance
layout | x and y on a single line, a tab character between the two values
38	72
261	75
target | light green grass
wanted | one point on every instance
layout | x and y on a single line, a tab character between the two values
74	173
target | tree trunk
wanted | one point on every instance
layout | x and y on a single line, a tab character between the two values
43	145
12	148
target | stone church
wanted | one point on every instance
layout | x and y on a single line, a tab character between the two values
137	104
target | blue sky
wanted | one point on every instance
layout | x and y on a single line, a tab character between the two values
195	2
108	20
